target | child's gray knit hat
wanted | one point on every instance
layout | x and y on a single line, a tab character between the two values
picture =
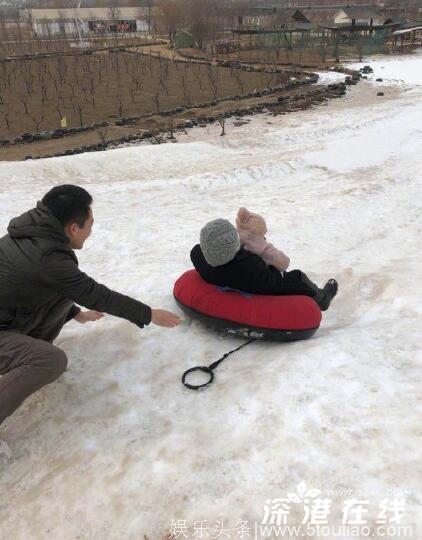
219	242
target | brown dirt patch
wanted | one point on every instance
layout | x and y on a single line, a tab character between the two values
158	123
36	93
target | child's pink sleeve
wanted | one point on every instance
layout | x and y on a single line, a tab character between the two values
275	257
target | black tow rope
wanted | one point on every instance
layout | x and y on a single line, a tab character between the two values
209	369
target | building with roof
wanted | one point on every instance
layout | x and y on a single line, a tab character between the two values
306	4
52	22
274	17
407	37
358	16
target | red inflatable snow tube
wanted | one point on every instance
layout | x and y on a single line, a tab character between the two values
280	318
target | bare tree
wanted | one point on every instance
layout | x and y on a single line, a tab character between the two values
171	127
102	134
163	75
186	86
198	75
6	119
238	77
133	92
59	112
37	121
212	78
157	100
120	108
80	110
222	122
204	19
171	17
25	106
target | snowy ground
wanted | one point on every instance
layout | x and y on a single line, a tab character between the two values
330	77
117	448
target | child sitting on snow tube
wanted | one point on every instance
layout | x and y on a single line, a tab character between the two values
221	260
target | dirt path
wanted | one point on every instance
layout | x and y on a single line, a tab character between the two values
166	52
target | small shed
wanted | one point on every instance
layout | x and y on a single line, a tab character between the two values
358	16
184	40
292	19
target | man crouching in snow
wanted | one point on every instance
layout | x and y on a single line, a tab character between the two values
39	283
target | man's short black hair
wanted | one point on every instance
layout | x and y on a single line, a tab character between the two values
68	203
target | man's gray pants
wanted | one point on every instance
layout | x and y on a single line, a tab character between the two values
28	360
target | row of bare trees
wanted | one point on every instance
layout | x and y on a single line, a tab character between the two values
39	93
204	19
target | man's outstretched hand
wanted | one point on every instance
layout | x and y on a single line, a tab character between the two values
87	316
161	317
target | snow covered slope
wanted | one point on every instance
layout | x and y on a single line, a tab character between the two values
117	448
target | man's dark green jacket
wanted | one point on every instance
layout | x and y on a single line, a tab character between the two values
38	268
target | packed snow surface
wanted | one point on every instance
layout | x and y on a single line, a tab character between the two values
330	77
406	71
117	447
